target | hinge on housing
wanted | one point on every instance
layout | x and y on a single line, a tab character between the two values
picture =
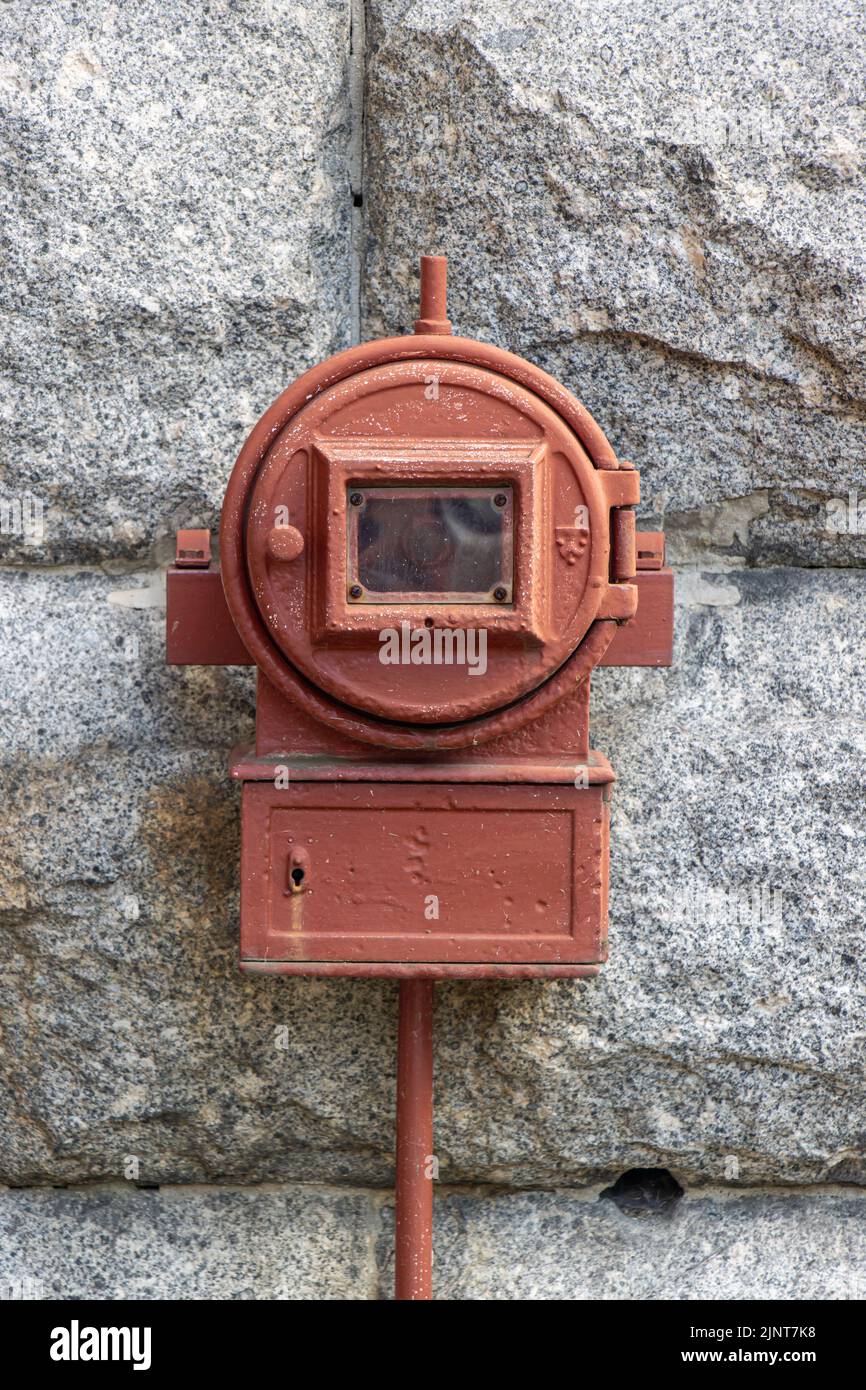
623	550
631	550
622	493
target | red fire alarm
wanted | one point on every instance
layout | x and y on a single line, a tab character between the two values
427	545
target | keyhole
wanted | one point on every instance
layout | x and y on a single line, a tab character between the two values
296	870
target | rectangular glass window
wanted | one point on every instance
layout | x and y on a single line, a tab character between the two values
430	544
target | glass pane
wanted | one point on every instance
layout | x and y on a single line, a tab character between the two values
445	543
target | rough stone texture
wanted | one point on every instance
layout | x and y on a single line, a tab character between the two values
190	1243
723	1041
556	1246
128	1032
662	205
176	210
308	1242
665	211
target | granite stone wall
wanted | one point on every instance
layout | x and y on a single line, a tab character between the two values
662	206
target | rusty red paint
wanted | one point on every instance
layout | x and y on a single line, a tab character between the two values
200	631
415	1159
247	766
382	427
192	549
462	873
648	641
396	823
482	772
623	545
433	317
650	547
563	731
198	626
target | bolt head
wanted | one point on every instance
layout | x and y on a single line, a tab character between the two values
285	543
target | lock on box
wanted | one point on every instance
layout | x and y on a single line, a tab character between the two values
427	545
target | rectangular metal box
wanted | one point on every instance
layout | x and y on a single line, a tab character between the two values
450	879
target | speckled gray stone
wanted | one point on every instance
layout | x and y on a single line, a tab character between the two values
175	237
663	209
724	1040
306	1242
129	1034
192	1243
663	206
565	1246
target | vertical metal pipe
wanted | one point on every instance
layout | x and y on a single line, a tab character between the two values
433	313
414	1195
